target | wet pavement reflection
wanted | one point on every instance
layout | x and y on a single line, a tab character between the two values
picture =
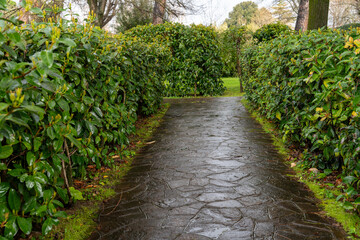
212	173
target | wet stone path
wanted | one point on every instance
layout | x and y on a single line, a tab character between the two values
212	173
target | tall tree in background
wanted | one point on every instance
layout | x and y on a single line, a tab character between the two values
133	13
171	8
342	12
303	16
52	7
357	6
242	14
159	11
318	13
105	10
282	13
262	17
292	4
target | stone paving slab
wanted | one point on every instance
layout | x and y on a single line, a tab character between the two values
212	173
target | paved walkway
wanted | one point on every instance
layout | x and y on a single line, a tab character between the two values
212	173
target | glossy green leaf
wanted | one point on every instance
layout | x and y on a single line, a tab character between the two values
51	133
58	144
4	187
47	225
50	86
37	144
67	41
6	151
73	140
64	105
29	205
17	120
35	109
25	224
30	158
11	228
47	57
75	194
14	200
63	194
4	106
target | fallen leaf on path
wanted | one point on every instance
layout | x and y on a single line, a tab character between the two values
148	143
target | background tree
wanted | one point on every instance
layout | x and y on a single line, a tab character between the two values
342	12
283	13
105	10
262	17
172	8
11	9
159	11
356	5
242	14
52	7
318	13
235	39
133	13
303	16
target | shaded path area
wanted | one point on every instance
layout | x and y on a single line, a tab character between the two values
212	173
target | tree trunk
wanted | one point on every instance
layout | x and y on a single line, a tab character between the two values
238	68
303	16
159	11
318	14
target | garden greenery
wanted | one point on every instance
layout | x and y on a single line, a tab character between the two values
270	31
233	41
69	97
196	63
308	83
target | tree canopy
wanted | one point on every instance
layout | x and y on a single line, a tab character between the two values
242	14
133	13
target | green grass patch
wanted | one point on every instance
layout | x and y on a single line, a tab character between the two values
232	87
80	221
350	221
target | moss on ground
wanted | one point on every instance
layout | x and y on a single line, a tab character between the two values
80	221
350	221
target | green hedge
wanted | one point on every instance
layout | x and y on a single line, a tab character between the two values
69	97
196	62
270	31
309	85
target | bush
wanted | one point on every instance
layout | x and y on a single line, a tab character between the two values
233	40
349	26
309	85
69	97
270	31
196	62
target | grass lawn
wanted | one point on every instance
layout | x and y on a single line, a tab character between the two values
232	87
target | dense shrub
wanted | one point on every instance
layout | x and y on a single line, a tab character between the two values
69	97
233	40
196	62
270	31
349	26
309	85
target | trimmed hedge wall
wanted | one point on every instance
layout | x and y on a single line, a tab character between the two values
308	84
196	61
